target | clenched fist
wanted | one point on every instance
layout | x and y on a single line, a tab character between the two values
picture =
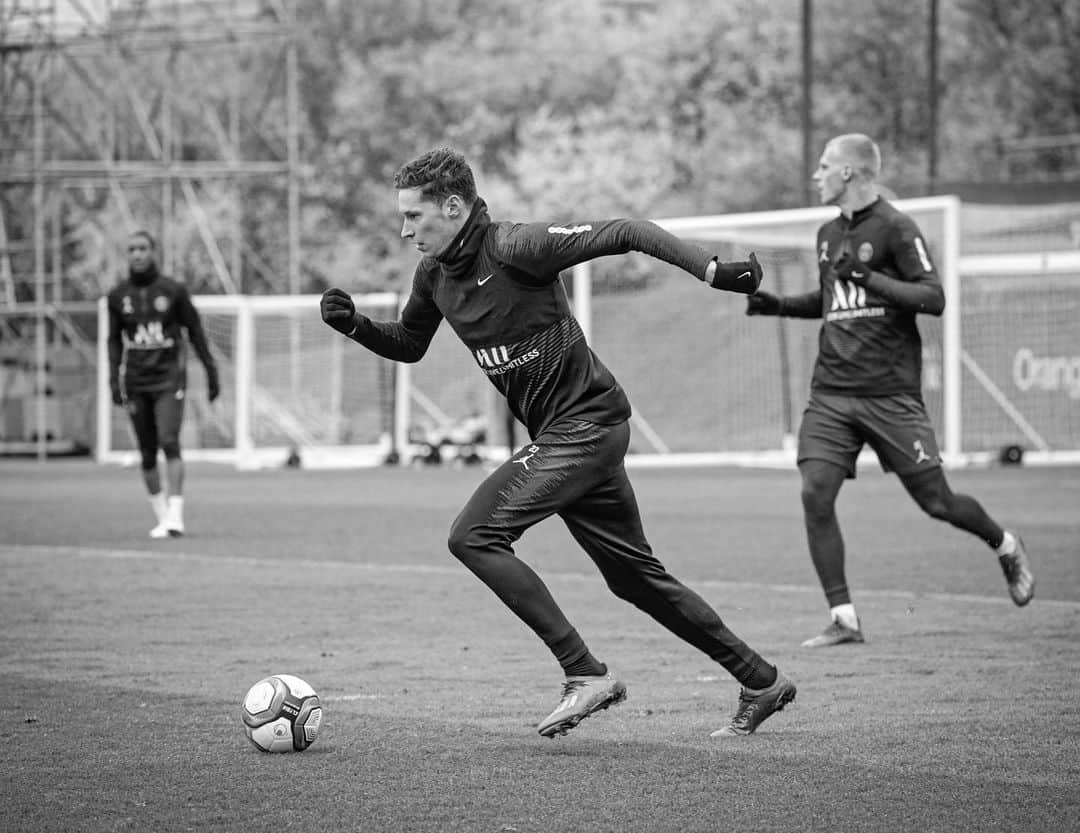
762	303
338	310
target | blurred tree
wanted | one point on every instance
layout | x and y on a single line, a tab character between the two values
603	108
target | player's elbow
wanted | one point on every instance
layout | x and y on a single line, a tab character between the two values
411	353
935	304
927	300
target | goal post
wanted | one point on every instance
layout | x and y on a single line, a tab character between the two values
292	391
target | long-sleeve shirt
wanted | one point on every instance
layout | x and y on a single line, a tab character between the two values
498	287
147	351
869	343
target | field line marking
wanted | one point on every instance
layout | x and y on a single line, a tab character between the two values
456	570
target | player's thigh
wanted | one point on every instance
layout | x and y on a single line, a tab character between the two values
546	475
606	522
169	415
829	431
900	432
140	408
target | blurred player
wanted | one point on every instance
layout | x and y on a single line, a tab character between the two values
497	284
148	372
875	276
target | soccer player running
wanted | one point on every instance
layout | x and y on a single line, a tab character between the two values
875	275
148	313
497	284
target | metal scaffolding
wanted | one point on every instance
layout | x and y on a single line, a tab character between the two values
164	115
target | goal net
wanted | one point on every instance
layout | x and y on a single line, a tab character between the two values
292	392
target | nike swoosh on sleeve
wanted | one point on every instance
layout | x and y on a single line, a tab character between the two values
482	281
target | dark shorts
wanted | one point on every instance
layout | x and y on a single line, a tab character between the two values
896	427
156	417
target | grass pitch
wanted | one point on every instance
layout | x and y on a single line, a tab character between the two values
124	661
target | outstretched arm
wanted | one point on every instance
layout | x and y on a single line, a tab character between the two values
545	250
791	306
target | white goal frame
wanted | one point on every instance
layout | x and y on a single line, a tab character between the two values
244	453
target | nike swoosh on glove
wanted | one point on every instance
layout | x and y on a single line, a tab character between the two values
738	276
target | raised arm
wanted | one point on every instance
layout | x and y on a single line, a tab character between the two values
807	305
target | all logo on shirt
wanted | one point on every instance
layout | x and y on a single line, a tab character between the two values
497	360
150	334
847	295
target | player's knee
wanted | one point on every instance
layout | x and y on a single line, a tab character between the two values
464	542
936	506
632	592
148	455
816	503
171	448
479	546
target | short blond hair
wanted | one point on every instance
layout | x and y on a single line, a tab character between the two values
859	151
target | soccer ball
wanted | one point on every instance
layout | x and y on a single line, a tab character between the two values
281	713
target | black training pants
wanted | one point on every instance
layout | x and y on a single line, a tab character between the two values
575	469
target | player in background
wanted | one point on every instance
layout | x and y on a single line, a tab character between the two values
875	275
148	313
498	286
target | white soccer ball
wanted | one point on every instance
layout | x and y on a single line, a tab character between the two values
281	713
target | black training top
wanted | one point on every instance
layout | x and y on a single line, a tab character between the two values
147	315
498	286
870	345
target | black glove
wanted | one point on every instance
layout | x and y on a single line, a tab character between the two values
213	386
738	276
849	269
117	394
762	303
338	310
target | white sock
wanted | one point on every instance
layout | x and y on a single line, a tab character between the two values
159	505
1007	545
845	615
176	510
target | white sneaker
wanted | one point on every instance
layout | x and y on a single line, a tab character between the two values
174	517
160	531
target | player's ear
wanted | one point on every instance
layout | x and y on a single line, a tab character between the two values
846	173
453	206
